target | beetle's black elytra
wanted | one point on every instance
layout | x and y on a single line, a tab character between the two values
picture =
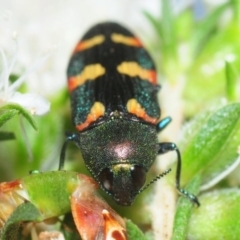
113	87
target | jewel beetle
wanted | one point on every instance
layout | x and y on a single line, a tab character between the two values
113	91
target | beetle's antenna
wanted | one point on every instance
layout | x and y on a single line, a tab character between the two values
155	179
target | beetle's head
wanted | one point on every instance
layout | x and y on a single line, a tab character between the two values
123	182
119	154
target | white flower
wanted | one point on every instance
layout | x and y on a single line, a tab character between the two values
33	102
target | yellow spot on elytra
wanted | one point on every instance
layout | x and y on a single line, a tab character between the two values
90	72
96	112
133	69
135	108
130	41
96	40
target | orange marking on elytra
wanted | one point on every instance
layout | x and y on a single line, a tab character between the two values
90	72
133	69
96	111
130	41
135	108
83	45
152	76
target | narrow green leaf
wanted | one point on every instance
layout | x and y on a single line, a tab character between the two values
165	27
168	28
7	136
133	231
236	11
24	212
4	117
184	209
211	143
201	33
155	23
22	111
231	82
218	216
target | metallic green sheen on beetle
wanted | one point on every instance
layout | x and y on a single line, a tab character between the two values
113	90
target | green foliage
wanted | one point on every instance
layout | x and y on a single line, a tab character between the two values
210	148
184	211
196	51
6	136
134	232
205	54
49	196
231	82
11	110
218	217
210	143
30	149
27	212
24	212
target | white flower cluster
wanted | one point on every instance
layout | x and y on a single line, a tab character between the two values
33	102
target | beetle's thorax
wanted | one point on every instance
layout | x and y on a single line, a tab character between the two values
117	152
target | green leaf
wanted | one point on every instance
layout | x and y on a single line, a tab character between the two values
202	32
168	28
24	212
22	111
184	209
231	82
165	27
133	231
211	143
7	116
7	136
155	23
236	11
218	216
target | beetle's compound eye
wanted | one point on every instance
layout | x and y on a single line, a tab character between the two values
138	176
106	179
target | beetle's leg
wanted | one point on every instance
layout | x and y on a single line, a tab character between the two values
70	137
166	147
163	123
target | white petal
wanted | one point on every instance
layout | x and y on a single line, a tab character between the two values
33	102
33	68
